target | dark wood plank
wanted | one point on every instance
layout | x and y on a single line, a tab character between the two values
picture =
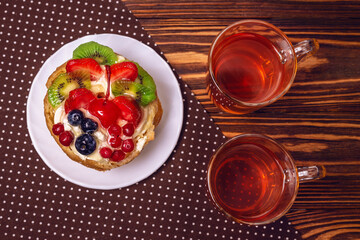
185	9
317	120
327	224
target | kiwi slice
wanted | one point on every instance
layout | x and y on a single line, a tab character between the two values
102	54
125	87
147	95
66	82
142	94
145	78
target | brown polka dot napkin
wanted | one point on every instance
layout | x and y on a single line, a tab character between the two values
36	203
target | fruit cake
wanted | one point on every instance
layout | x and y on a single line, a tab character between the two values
101	108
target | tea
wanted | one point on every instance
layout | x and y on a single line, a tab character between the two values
249	182
248	67
252	64
254	180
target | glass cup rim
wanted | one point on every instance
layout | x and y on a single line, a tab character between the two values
256	135
249	104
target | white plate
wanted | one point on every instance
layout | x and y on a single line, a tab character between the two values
154	154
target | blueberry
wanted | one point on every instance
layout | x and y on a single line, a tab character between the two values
75	116
88	125
85	144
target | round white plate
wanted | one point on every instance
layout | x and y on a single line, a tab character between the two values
154	154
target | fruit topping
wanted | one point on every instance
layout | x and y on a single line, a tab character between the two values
145	78
144	92
85	64
102	54
128	129
85	144
108	73
123	71
127	145
117	156
66	138
105	152
130	110
58	128
114	130
115	142
88	125
75	116
143	95
106	111
121	87
147	95
78	98
66	82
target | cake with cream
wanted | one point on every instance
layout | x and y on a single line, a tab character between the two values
101	108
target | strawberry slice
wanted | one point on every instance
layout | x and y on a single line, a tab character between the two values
130	110
123	71
78	98
85	64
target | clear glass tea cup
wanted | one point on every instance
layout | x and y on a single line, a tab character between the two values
254	180
251	64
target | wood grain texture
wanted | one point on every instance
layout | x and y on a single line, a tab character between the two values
318	120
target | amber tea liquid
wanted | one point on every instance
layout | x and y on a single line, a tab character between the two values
248	67
250	183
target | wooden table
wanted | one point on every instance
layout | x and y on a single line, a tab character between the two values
317	120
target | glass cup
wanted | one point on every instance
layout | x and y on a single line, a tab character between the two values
252	64
254	180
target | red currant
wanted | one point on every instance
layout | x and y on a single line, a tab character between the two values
58	128
66	138
127	145
115	142
117	156
105	152
114	130
128	129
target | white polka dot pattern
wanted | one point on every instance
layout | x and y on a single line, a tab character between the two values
38	204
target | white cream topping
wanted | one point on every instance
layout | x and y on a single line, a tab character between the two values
140	143
59	114
120	59
100	86
99	135
141	126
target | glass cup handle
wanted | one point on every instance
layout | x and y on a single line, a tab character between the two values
306	48
311	173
